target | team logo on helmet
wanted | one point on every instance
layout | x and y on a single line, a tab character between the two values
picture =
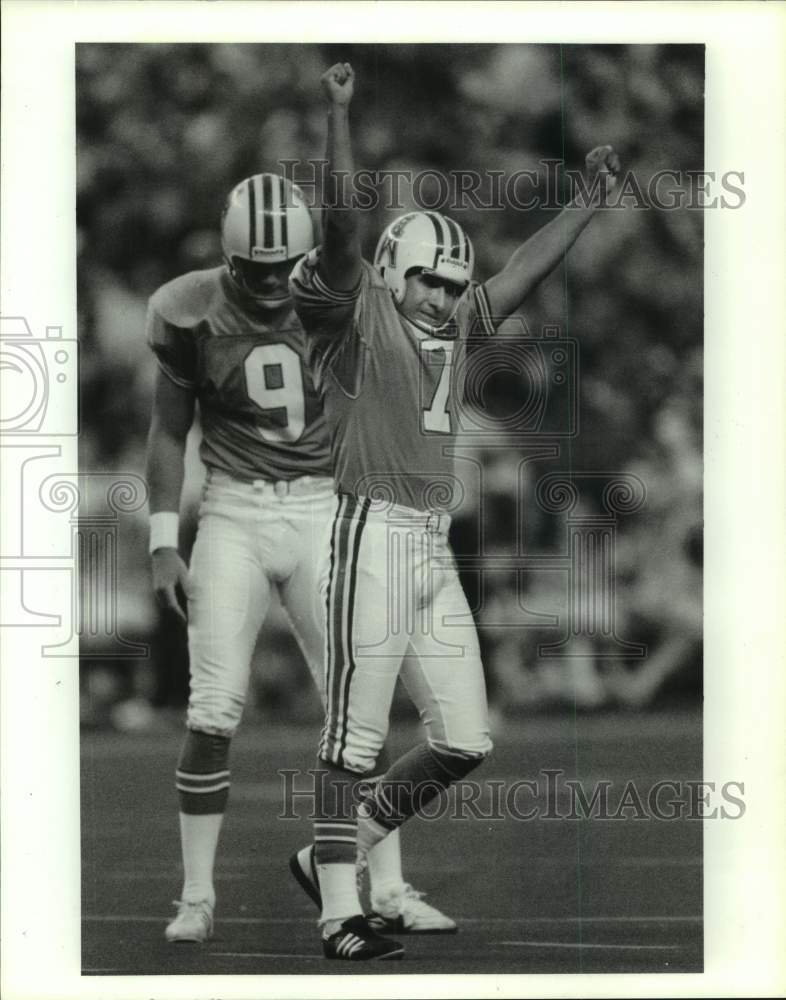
426	241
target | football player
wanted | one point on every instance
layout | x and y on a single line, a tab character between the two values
396	331
228	339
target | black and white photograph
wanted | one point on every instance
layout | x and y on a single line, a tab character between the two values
357	504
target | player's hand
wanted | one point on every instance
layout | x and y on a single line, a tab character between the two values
169	572
338	83
604	161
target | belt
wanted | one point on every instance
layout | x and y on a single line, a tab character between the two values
294	487
301	486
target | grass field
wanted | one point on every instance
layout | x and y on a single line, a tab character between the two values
537	896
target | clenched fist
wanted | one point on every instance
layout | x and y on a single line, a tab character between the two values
169	573
604	161
338	83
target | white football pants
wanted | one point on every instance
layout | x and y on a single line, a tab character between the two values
395	605
252	537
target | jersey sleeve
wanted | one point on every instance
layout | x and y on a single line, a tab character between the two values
321	309
473	316
173	346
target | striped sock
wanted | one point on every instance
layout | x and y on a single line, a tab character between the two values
340	899
202	781
202	775
384	860
335	826
335	844
199	841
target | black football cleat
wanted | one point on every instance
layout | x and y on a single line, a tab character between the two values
355	941
401	910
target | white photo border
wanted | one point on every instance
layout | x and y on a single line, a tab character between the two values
745	418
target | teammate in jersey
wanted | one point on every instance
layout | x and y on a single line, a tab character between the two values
387	344
228	339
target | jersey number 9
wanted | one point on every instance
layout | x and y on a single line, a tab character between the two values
274	381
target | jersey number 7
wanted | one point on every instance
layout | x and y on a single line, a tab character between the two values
436	416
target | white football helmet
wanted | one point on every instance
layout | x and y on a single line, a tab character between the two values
423	241
265	221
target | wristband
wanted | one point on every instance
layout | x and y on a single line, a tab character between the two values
163	530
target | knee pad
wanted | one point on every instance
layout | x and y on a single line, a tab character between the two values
202	775
213	712
457	763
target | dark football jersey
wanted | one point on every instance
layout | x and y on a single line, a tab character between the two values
261	417
387	387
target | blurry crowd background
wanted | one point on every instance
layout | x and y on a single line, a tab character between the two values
163	133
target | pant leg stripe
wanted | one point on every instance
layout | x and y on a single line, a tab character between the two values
350	620
333	614
330	643
345	634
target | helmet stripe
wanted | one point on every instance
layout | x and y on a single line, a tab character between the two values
284	214
456	241
468	252
274	210
252	217
267	221
439	236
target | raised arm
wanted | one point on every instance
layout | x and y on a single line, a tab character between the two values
173	413
536	258
340	261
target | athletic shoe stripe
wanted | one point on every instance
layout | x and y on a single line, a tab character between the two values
267	218
349	944
252	217
350	621
282	197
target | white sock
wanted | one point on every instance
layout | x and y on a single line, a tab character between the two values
384	865
370	833
199	840
339	896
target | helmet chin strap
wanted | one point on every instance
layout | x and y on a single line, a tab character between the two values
269	303
433	331
260	301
